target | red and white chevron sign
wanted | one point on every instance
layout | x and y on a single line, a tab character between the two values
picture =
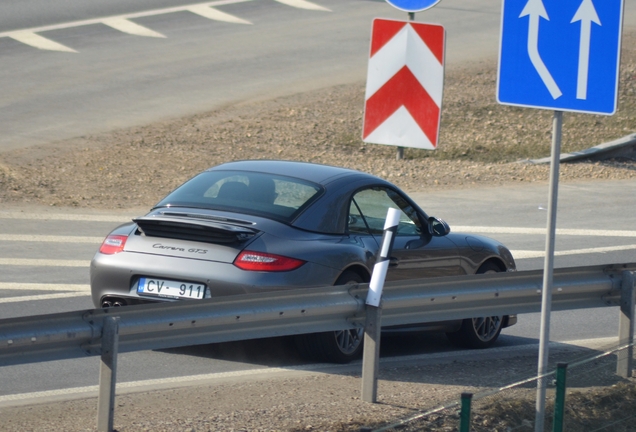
405	82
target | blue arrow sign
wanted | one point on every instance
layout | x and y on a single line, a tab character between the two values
560	54
413	5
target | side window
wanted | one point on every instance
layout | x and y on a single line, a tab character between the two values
356	224
369	208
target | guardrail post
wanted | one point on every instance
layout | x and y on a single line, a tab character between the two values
624	365
559	400
464	414
371	354
108	375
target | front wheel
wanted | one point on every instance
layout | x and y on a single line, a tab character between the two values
340	346
479	332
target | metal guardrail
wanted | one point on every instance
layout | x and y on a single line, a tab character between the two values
298	311
107	332
624	146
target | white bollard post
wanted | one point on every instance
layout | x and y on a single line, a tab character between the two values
372	328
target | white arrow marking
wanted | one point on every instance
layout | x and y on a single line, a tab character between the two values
587	15
303	4
127	26
536	10
35	40
214	14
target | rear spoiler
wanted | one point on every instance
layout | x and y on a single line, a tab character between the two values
207	231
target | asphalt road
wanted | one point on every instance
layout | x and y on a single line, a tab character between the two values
60	283
116	79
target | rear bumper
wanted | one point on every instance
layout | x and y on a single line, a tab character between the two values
511	320
117	275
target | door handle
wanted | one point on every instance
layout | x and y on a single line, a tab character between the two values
393	262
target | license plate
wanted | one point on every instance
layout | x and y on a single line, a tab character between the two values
169	289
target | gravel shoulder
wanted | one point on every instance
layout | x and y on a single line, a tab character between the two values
481	143
329	399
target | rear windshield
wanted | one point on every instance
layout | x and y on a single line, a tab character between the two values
268	195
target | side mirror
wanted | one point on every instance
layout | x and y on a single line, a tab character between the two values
438	227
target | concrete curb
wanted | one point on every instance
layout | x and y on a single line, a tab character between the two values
620	147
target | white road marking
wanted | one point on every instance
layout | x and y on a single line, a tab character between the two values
303	4
123	23
50	238
43	262
518	254
66	217
37	41
179	381
523	254
71	290
43	297
542	231
19	286
127	26
215	14
173	382
456	228
526	254
604	343
92	21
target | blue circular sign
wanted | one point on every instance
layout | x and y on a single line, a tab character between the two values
413	5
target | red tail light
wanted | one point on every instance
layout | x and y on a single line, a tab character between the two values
113	244
259	261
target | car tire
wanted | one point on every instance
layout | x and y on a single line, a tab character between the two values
482	332
341	346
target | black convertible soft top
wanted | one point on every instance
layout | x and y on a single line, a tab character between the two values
316	198
328	213
316	173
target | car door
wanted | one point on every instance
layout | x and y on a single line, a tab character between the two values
416	252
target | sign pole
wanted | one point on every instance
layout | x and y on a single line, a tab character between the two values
400	150
548	271
534	30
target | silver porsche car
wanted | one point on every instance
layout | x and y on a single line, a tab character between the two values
253	226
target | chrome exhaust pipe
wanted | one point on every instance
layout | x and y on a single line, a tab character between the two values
113	302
